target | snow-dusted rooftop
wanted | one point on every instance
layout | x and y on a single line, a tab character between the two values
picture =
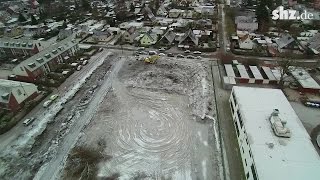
268	72
293	158
229	70
242	70
256	73
304	78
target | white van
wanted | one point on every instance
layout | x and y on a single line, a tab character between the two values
152	52
47	103
28	121
84	62
79	68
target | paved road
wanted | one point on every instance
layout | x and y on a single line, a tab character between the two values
232	163
53	168
7	138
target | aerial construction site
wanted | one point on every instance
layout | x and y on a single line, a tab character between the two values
126	118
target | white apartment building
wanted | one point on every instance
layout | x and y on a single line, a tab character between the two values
273	143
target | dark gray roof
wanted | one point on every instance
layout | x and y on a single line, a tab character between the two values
169	35
191	35
48	54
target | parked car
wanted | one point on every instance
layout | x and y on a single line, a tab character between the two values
191	57
196	52
162	49
162	54
100	49
170	55
79	68
141	49
198	57
311	104
187	51
180	56
85	62
152	52
47	103
28	121
54	97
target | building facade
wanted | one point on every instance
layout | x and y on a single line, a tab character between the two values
14	94
45	61
272	140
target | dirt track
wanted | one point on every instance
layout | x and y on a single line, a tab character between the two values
149	124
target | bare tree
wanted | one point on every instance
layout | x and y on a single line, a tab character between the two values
284	66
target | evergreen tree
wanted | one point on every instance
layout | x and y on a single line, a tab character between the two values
85	5
132	7
33	20
21	18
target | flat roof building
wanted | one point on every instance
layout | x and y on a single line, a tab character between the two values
306	82
272	140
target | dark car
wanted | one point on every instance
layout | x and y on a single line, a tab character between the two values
170	55
180	56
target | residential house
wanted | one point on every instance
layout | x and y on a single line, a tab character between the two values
203	35
129	35
247	26
14	94
167	38
195	3
64	33
316	4
137	10
113	30
175	13
204	23
14	31
148	15
16	47
45	61
162	11
4	16
31	30
188	14
244	19
246	43
205	11
314	43
286	43
101	35
14	10
189	39
148	39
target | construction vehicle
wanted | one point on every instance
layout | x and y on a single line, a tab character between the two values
151	59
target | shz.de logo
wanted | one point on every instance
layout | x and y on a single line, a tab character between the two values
290	14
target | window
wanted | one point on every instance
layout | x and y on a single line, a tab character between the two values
19	92
242	150
234	99
250	153
254	172
231	107
237	130
245	161
248	175
239	117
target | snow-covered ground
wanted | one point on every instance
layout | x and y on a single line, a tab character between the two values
52	169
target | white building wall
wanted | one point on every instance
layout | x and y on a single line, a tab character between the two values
243	140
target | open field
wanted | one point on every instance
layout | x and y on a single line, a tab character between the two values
150	125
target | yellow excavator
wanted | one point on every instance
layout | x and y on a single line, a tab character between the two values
151	59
